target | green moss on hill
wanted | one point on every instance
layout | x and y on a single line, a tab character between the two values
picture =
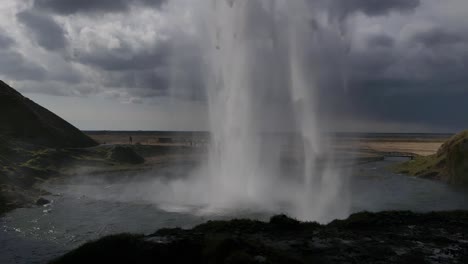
422	166
449	164
455	152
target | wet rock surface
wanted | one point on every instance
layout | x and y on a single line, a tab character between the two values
42	201
387	237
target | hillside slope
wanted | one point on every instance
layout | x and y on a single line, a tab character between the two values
31	143
22	119
449	164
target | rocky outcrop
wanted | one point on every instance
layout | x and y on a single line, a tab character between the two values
454	159
387	237
24	120
42	201
449	164
124	154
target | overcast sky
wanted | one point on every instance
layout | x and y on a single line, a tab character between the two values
131	65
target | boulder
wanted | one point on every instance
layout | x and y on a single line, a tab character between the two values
124	154
42	201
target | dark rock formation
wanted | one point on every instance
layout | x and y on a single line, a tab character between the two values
387	237
454	158
22	119
42	201
124	154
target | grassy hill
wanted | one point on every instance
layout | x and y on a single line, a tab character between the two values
24	120
31	139
449	164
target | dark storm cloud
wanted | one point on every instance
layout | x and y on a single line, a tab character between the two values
412	85
142	72
13	65
124	58
444	110
373	7
45	31
439	37
6	42
167	64
147	83
380	41
396	76
159	81
406	70
67	7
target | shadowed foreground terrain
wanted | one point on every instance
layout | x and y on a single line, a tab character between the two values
37	145
32	143
387	237
23	166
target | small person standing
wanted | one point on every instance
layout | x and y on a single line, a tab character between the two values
130	139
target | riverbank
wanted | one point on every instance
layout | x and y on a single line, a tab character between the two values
24	167
85	208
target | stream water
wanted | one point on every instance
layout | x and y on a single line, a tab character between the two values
78	213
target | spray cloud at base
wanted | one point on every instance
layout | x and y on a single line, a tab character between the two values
261	63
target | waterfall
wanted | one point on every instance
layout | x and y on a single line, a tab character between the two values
261	62
261	94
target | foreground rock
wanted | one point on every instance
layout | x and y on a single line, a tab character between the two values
449	164
387	237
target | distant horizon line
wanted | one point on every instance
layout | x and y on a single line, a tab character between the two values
206	131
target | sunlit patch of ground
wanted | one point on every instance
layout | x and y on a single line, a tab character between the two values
419	148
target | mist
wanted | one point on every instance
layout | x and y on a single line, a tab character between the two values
261	69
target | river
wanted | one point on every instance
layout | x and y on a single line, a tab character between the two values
81	211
